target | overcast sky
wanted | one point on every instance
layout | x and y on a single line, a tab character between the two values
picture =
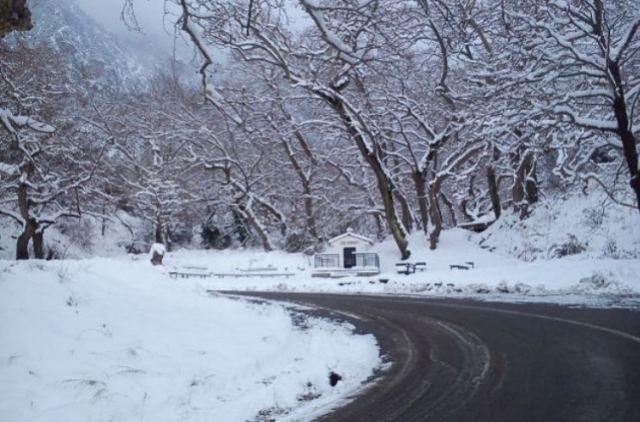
149	13
155	22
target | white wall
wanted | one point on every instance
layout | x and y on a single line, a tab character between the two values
348	242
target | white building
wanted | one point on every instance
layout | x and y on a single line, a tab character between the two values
347	255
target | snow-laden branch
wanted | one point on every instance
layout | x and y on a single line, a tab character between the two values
195	33
454	161
618	51
586	122
345	53
9	120
17	217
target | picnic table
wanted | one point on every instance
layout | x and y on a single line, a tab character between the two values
407	268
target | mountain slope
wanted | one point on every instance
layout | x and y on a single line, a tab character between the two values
95	59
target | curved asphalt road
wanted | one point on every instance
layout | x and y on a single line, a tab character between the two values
463	361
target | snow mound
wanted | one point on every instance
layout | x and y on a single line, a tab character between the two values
559	227
107	339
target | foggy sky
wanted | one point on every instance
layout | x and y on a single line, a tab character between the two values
157	24
157	30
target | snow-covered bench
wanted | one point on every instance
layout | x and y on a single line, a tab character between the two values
466	266
188	274
190	271
252	274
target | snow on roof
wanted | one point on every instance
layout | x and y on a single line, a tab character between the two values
350	233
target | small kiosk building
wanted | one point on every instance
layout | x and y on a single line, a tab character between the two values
347	255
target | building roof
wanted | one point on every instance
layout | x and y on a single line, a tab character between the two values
350	233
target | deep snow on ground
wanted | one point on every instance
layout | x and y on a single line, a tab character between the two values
572	279
575	249
589	226
84	238
580	249
117	340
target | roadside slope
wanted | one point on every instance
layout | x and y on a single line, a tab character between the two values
117	340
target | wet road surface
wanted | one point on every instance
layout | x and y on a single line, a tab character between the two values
455	360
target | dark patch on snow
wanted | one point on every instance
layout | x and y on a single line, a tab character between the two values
334	378
270	414
310	394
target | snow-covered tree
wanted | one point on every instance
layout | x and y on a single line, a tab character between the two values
43	169
567	76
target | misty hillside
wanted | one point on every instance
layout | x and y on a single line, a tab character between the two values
93	56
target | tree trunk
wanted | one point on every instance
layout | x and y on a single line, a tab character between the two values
38	244
166	234
247	213
449	205
103	225
159	232
494	195
471	197
525	187
377	218
310	218
239	227
626	136
419	179
22	245
398	232
436	214
386	187
407	217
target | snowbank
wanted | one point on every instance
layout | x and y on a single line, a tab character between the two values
84	238
589	226
107	339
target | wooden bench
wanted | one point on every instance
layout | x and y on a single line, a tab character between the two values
420	266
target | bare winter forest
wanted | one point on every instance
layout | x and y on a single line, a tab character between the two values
296	120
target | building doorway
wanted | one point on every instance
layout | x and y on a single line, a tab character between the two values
349	257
